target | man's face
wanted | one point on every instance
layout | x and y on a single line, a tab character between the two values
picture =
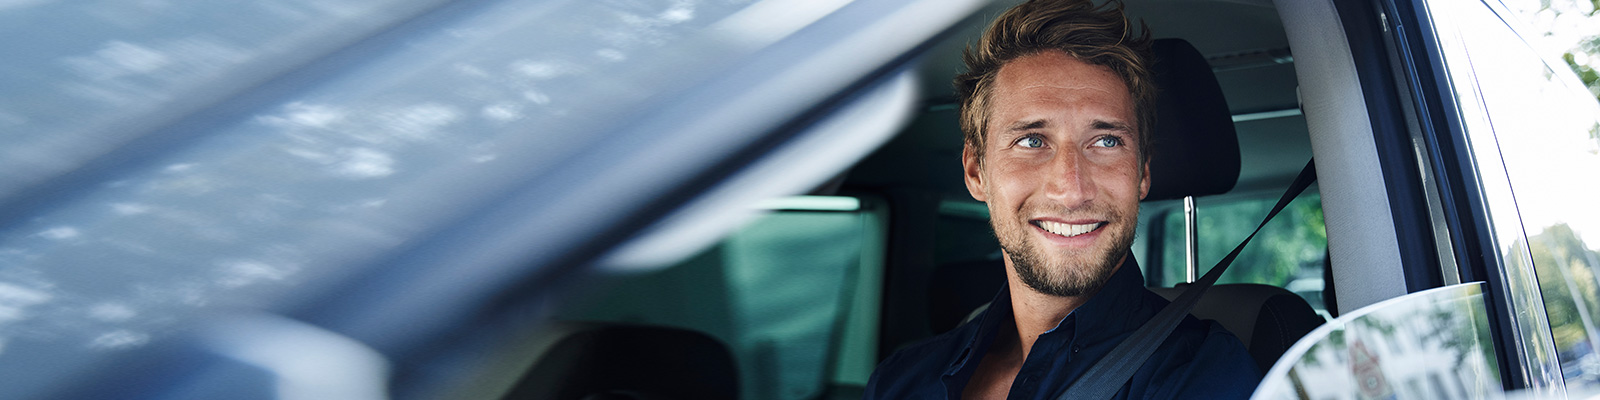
1061	171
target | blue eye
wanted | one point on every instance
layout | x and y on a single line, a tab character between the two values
1108	141
1030	141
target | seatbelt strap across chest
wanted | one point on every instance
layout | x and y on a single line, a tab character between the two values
1107	375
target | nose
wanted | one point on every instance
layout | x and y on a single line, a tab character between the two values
1068	179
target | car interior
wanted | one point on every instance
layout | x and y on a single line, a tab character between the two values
803	302
758	199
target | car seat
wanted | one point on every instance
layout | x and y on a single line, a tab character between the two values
1279	317
597	361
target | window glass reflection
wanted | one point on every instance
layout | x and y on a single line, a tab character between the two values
1427	345
83	76
1547	127
308	186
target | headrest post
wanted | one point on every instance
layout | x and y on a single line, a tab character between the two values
1191	242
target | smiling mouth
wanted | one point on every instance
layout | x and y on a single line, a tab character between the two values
1067	230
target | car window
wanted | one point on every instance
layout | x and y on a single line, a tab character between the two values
1433	344
1564	29
249	209
793	295
1547	127
1531	129
106	70
335	161
1290	252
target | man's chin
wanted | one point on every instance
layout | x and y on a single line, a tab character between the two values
1065	277
1049	268
1067	287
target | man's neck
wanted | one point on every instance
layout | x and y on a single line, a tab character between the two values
1035	313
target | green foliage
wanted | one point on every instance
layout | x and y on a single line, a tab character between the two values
1588	45
1290	247
1565	268
1446	328
1590	78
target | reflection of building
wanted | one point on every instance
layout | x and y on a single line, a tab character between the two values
1368	373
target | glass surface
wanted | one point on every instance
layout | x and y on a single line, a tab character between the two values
1547	126
322	173
1568	30
1290	252
780	292
1479	50
1433	344
83	76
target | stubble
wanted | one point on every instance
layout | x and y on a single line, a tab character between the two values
1072	274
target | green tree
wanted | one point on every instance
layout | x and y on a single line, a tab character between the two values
1572	25
1565	267
1292	246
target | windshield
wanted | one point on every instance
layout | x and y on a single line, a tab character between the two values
165	158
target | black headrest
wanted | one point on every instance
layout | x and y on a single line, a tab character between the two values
617	361
1196	150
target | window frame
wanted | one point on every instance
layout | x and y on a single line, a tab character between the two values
1474	187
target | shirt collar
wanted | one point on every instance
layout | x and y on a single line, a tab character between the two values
1105	314
1112	310
977	335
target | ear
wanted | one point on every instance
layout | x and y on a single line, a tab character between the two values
1144	181
972	173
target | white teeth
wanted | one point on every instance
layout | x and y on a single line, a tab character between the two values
1068	230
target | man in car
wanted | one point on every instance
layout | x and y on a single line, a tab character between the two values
1056	109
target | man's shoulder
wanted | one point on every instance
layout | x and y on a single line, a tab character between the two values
918	366
1201	358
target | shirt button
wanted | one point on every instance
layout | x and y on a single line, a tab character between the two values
1076	348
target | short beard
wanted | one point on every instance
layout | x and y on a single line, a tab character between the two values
1066	280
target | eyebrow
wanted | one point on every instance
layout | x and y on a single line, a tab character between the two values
1107	125
1096	124
1026	125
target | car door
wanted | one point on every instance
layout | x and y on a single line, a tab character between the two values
1503	137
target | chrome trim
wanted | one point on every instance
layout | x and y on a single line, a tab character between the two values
1256	116
1191	242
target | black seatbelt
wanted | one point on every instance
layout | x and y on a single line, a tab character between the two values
1106	376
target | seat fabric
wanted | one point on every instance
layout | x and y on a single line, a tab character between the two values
622	361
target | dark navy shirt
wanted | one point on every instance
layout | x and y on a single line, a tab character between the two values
1199	360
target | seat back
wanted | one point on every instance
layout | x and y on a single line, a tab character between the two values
955	289
1268	319
619	361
